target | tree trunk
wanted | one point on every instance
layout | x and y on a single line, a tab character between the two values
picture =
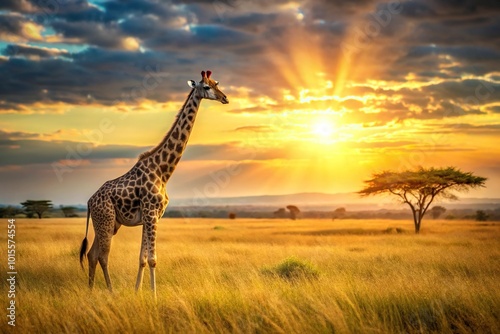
418	222
415	220
39	215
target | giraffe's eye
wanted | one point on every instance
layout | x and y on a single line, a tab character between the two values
206	87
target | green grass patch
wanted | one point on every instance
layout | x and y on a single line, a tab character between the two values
292	269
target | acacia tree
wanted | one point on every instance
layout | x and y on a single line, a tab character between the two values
339	213
39	207
437	211
418	188
68	211
294	211
280	213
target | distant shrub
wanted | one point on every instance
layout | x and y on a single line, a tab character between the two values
450	217
232	215
293	269
280	213
481	216
219	227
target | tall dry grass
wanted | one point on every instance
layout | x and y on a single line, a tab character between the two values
371	276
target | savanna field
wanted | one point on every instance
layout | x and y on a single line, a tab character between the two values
264	276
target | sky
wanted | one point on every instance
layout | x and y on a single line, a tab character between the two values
322	93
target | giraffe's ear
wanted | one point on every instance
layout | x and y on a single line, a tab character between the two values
191	83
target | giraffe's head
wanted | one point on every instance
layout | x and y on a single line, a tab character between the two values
208	88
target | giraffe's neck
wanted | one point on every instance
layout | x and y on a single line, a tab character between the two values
164	158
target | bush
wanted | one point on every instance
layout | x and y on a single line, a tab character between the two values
481	216
293	269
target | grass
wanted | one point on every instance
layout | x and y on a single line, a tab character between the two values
345	276
293	269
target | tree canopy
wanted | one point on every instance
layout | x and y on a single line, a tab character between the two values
418	188
68	211
437	211
9	211
339	213
32	207
294	211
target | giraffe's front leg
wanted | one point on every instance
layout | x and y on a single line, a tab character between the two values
151	231
151	214
150	220
143	257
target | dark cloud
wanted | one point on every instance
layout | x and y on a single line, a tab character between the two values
442	9
18	5
120	9
92	33
494	109
29	51
107	76
469	92
198	37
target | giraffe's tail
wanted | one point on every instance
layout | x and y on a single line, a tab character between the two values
85	242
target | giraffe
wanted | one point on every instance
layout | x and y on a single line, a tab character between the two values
139	196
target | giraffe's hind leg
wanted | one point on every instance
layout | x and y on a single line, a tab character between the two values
92	257
104	248
104	228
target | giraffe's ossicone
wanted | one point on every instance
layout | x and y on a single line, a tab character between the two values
139	196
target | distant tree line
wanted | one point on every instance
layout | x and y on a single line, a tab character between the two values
38	209
281	213
338	213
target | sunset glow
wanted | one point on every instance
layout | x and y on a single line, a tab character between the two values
323	129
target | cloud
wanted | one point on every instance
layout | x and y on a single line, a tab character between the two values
125	39
494	109
33	52
473	129
95	34
107	76
17	28
25	149
470	91
24	6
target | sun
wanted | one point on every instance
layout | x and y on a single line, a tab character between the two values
323	129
